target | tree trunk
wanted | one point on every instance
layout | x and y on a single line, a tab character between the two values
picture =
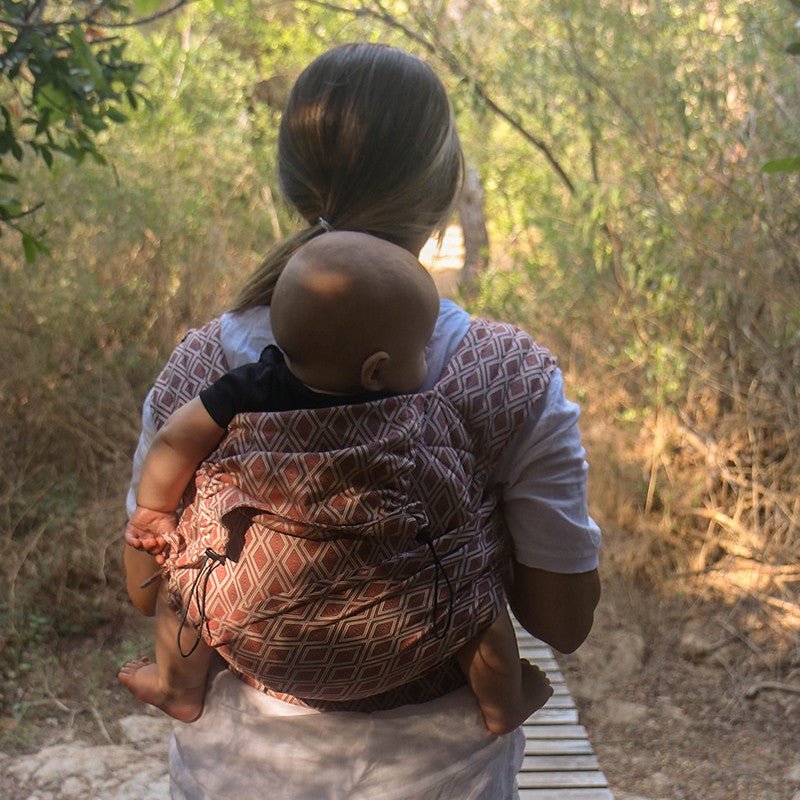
472	216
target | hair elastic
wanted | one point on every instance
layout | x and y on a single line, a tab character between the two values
325	225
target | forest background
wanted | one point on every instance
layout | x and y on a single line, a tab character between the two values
632	229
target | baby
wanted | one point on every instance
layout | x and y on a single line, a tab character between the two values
352	316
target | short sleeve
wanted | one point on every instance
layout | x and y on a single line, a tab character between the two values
246	388
543	473
146	437
451	327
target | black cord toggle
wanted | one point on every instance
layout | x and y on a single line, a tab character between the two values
424	537
211	561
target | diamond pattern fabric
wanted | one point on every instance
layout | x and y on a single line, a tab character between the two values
327	592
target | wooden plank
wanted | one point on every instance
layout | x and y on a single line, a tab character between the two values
546	664
559	763
523	634
562	780
533	731
560	701
555	716
535	651
572	794
543	747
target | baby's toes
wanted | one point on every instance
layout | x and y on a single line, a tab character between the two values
133	665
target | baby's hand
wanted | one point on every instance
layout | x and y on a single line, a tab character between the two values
146	530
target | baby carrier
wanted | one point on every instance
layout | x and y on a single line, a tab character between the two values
341	556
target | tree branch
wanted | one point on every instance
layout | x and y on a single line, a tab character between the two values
9	219
152	18
455	66
89	19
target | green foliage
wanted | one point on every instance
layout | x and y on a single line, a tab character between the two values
782	165
137	255
63	83
791	164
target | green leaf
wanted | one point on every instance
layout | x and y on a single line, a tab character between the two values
793	49
54	101
87	58
115	115
96	124
10	208
8	178
29	246
145	7
791	164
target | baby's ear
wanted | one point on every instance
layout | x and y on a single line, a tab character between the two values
373	371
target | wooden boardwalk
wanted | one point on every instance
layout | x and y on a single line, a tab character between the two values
559	761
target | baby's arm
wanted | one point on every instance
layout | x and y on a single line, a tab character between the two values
188	437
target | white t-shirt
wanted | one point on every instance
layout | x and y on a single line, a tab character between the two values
542	471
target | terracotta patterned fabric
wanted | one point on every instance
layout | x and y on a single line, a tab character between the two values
195	364
354	549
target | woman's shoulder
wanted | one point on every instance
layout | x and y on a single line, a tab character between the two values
196	362
245	334
451	327
456	331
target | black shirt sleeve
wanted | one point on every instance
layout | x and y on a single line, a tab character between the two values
246	388
268	385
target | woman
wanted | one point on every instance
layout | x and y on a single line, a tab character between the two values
367	143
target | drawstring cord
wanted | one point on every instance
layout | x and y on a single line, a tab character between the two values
211	562
424	536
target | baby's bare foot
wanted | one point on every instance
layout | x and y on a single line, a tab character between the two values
534	692
536	688
140	677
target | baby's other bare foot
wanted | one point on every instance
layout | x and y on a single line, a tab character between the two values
534	692
140	678
536	688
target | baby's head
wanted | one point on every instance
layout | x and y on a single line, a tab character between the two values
352	312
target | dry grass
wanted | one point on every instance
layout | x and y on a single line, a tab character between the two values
702	501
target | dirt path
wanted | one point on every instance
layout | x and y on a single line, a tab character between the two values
666	706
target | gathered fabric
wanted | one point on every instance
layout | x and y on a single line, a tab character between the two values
338	558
